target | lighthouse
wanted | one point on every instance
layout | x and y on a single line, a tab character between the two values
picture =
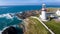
43	13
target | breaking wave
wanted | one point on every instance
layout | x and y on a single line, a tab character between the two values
0	32
8	19
8	16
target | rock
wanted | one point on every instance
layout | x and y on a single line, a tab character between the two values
10	30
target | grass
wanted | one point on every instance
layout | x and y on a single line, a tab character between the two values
54	26
35	27
50	9
37	15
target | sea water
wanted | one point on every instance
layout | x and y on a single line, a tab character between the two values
15	9
6	19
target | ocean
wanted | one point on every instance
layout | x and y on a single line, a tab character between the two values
15	9
7	20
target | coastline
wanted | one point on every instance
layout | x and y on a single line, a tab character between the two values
27	14
31	13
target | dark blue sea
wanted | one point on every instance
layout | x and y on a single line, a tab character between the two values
7	20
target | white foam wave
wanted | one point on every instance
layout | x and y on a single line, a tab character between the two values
8	16
6	28
20	12
18	18
0	32
3	30
15	25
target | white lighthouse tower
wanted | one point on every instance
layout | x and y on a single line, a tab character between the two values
43	13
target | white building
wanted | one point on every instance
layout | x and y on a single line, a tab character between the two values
58	12
44	16
43	13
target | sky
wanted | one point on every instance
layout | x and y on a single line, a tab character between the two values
28	2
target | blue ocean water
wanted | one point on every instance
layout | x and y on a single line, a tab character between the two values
7	20
15	9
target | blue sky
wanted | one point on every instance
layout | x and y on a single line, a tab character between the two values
28	2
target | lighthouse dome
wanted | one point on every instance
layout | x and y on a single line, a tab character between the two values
43	4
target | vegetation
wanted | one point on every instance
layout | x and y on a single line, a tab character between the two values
54	26
52	9
35	27
37	15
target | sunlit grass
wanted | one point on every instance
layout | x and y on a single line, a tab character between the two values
35	27
54	26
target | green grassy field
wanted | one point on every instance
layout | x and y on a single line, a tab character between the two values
35	27
54	26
